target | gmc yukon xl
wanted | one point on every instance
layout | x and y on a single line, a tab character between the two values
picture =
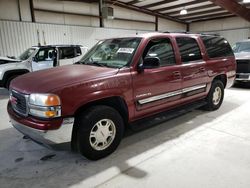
87	105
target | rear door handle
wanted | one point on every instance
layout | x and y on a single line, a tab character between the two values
177	74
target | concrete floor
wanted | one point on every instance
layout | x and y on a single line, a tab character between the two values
199	149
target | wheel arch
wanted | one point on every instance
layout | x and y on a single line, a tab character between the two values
222	78
116	102
11	73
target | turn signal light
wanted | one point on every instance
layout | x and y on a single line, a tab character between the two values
51	113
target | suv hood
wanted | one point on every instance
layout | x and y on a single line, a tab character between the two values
48	80
4	60
242	55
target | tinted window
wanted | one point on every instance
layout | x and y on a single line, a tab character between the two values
189	49
162	49
78	51
66	53
217	46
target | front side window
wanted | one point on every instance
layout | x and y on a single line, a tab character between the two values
241	47
115	53
189	49
161	48
217	46
45	54
26	54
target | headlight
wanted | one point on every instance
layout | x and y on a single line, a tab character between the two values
45	105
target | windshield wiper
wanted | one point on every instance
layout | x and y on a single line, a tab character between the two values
95	63
92	63
98	64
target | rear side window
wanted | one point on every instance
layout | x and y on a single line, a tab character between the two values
66	53
217	46
189	49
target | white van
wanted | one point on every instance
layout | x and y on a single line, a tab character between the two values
39	58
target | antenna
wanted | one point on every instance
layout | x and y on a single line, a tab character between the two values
38	38
44	41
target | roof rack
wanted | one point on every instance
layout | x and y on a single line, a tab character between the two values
212	34
187	32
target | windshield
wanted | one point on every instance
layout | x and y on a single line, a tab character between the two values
26	54
241	47
114	53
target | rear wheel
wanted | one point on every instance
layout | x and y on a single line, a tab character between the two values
100	132
215	96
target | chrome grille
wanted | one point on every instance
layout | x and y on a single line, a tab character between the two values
19	102
243	66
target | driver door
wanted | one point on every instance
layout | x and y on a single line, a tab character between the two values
44	59
157	88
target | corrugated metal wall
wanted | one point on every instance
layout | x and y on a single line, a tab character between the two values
233	29
15	37
233	35
237	35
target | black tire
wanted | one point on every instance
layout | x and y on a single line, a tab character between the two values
7	83
212	104
87	122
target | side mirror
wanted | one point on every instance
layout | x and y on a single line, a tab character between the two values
149	63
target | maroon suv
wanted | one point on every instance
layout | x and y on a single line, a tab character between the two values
119	81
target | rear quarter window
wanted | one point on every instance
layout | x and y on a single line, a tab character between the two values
217	46
78	51
66	52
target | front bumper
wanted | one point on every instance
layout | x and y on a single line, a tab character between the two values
59	138
244	77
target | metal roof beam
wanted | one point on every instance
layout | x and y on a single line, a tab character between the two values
201	18
201	13
143	10
158	3
180	5
212	18
193	9
234	7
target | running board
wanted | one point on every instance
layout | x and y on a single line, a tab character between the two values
165	116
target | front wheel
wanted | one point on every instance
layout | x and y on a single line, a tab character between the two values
100	132
215	96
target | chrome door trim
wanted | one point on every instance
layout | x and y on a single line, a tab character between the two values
171	94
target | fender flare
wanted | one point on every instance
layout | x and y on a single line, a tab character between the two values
9	73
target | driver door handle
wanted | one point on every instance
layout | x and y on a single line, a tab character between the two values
202	69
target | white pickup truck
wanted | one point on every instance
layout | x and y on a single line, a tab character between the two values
38	58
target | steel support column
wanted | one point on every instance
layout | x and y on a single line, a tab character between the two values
100	13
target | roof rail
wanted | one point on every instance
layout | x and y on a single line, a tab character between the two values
176	32
212	34
187	32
